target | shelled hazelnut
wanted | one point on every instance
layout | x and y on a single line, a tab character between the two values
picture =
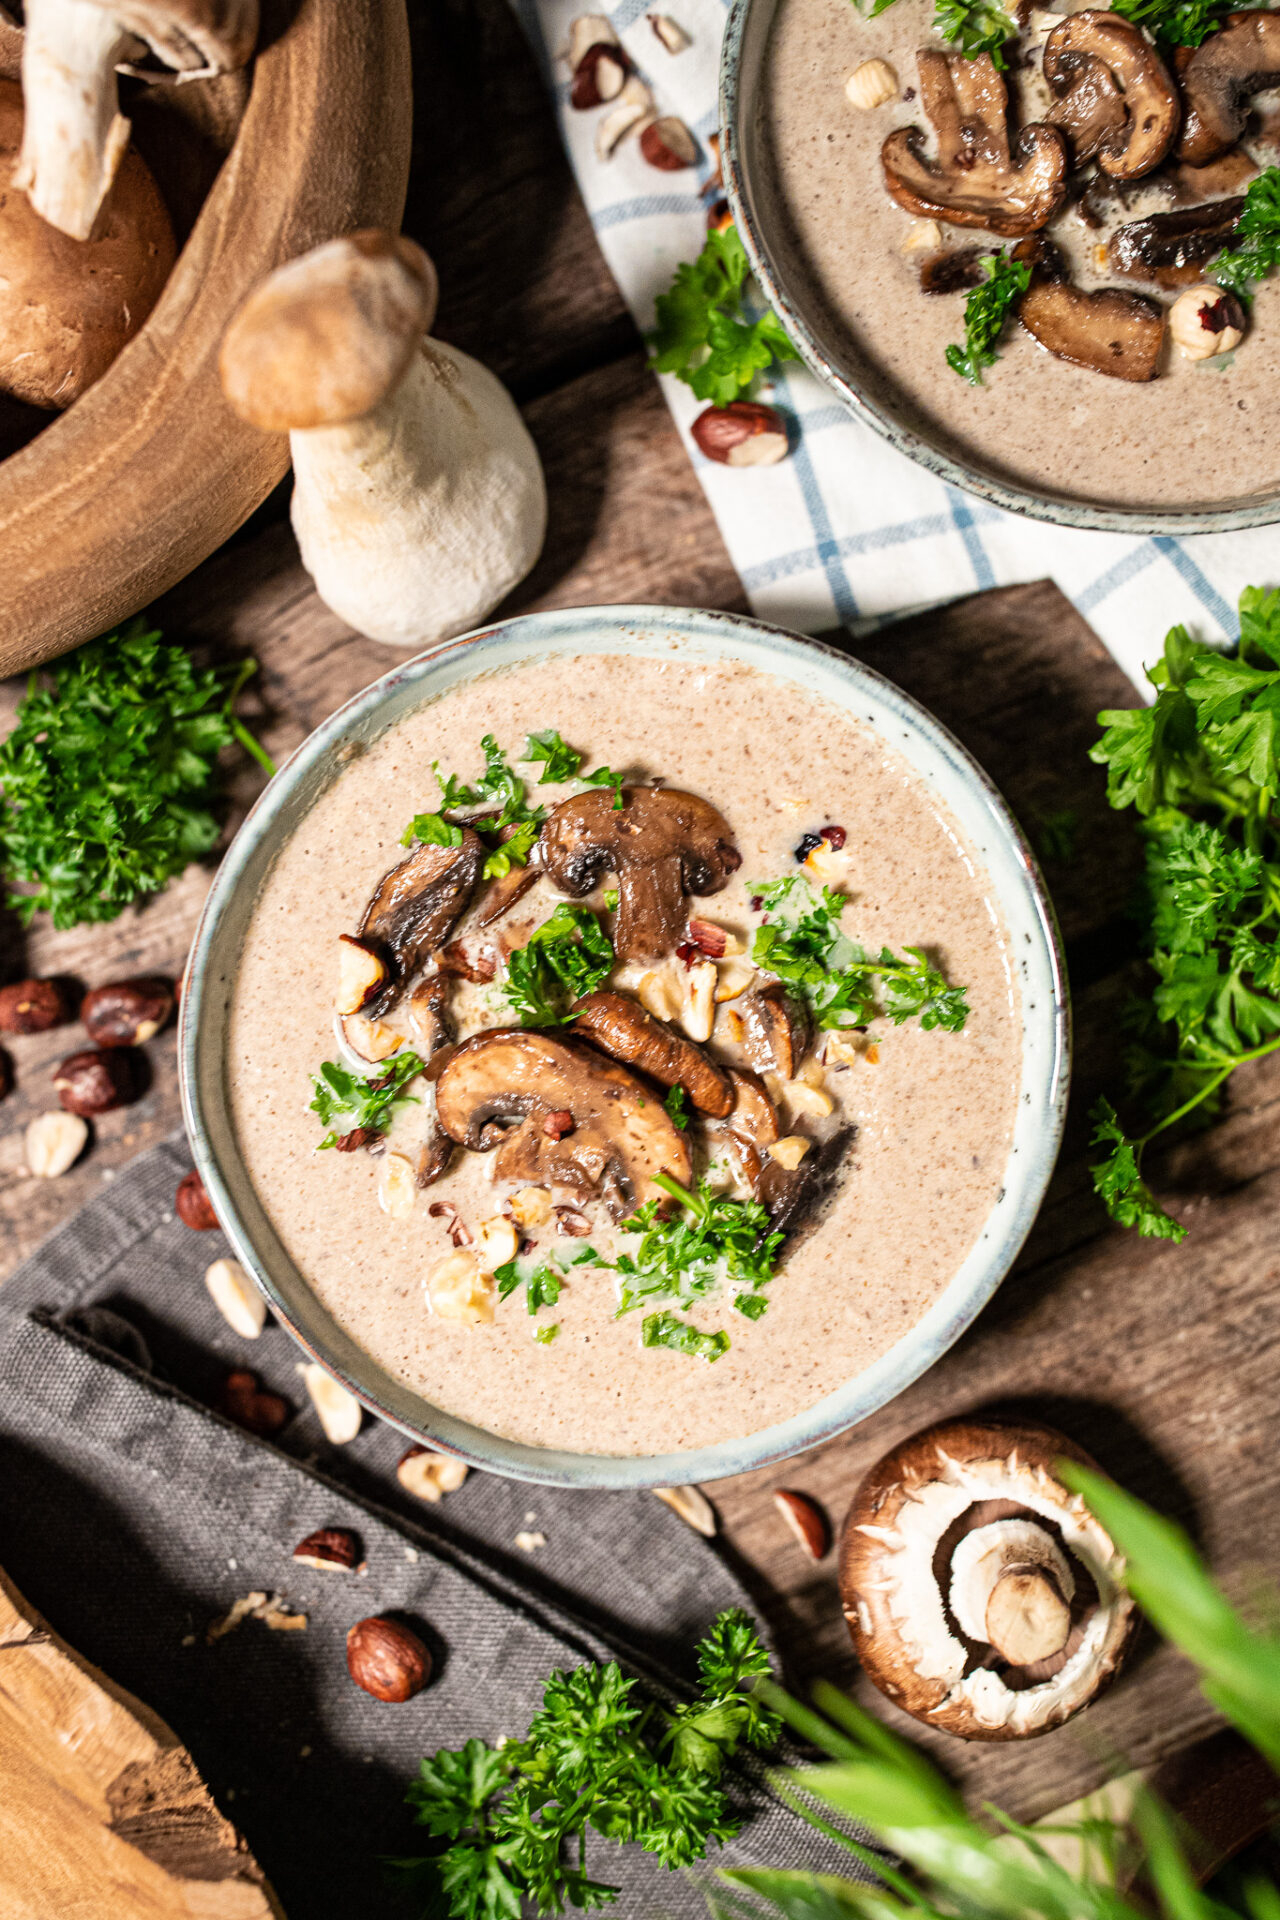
127	1013
54	1142
387	1659
668	144
746	433
428	1475
1206	320
32	1006
247	1403
329	1550
97	1080
193	1205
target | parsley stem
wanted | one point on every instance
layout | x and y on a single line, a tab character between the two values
252	747
1210	1086
677	1192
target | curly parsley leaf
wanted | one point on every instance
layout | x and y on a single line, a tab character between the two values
567	956
109	781
988	306
1175	23
1118	1180
704	334
711	1242
363	1101
669	1330
1254	251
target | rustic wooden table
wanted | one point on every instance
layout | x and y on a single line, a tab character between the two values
1163	1360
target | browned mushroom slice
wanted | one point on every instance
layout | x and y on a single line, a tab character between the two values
1110	331
978	179
1170	249
416	907
776	1029
508	1090
660	845
1115	100
790	1195
1218	80
434	1155
502	894
953	270
431	1016
619	1026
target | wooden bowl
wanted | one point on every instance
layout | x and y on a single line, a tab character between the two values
116	499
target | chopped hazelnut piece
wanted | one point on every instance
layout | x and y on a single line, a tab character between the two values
428	1475
497	1242
531	1206
922	236
873	84
789	1151
339	1412
458	1290
670	32
698	1014
397	1186
54	1142
236	1298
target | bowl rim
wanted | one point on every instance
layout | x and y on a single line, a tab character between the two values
257	842
951	468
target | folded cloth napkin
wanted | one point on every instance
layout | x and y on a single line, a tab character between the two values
133	1517
848	531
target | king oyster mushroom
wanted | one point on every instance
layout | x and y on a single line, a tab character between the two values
619	1026
559	1114
1110	331
75	136
1114	98
659	845
982	1596
1219	78
1171	249
414	910
980	178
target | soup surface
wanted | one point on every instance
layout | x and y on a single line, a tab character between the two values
921	1119
1201	432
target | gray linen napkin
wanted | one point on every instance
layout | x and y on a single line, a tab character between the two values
132	1517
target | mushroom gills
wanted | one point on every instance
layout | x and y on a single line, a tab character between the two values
416	907
1171	249
1115	100
1219	77
620	1027
1111	331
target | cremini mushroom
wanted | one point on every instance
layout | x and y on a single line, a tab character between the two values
1114	98
75	138
619	1026
67	307
500	1090
1218	80
980	178
414	910
418	496
660	845
1172	249
1110	331
982	1596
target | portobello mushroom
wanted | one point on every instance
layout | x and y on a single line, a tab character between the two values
980	177
1171	249
1110	331
558	1114
776	1028
1218	79
620	1027
659	845
415	909
1115	100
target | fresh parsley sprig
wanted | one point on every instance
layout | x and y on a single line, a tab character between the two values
561	762
567	956
803	943
110	782
363	1101
712	1242
1175	23
509	1827
704	333
975	26
986	311
1202	767
1255	243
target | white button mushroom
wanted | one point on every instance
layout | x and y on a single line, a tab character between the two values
75	135
418	497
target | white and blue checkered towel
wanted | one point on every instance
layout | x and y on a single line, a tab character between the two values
848	531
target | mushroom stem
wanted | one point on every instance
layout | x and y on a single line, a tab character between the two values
1027	1619
1011	1589
74	136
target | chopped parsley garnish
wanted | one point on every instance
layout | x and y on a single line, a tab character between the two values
561	762
110	780
541	1283
508	1826
1202	768
433	829
545	1335
712	1241
499	785
975	26
985	312
704	333
675	1104
359	1101
569	955
668	1330
1175	23
1255	244
803	944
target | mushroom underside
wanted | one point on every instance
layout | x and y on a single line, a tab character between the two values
1115	100
776	1029
1111	331
1219	78
416	907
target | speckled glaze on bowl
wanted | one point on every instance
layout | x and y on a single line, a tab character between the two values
940	761
834	357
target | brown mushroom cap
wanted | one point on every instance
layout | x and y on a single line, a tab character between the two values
899	1547
660	845
499	1087
1110	331
1116	102
1171	249
978	179
67	307
620	1027
415	909
325	338
1219	77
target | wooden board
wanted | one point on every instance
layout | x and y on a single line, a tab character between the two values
1163	1361
99	1802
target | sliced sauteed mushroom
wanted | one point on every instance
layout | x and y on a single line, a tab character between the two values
982	1596
619	1026
791	1193
560	1114
1231	172
1110	331
776	1029
1115	100
415	909
430	1015
1171	249
660	845
953	270
980	177
502	894
1220	77
362	974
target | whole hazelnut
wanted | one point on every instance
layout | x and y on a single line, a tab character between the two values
250	1406
97	1080
387	1659
193	1205
329	1550
32	1006
127	1013
743	434
668	145
1206	320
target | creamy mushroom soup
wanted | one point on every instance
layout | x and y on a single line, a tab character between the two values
758	1150
1201	431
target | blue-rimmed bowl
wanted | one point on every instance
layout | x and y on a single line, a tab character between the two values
939	760
833	354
